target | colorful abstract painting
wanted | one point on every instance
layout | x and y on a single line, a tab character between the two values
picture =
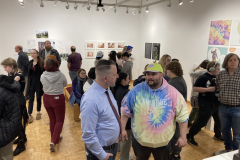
220	32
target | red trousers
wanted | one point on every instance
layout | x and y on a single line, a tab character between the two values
55	106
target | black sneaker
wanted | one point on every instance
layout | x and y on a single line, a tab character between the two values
19	149
17	140
173	157
219	138
191	140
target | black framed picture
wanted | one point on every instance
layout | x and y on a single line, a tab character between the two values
156	51
148	50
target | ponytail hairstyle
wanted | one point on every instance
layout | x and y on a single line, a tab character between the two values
203	65
121	77
40	61
73	49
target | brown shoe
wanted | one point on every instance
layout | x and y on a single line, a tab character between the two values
38	116
30	119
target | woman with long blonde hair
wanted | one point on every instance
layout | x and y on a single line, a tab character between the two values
165	59
11	67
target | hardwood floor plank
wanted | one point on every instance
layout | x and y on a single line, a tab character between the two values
72	146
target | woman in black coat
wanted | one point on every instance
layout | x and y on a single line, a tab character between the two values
10	117
11	67
35	70
121	89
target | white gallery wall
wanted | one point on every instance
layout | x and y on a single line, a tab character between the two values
20	24
183	31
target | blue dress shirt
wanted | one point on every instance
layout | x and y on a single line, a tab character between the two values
98	121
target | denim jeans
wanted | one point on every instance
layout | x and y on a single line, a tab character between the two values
91	156
72	74
230	119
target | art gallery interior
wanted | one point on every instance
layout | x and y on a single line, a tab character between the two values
182	30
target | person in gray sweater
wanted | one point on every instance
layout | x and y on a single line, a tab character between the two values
53	82
128	65
175	72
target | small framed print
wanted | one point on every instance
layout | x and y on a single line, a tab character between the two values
101	45
90	54
111	45
89	45
120	45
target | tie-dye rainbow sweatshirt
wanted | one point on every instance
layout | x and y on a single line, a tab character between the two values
154	113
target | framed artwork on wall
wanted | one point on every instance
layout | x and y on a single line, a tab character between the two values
89	45
111	45
235	33
217	54
120	45
101	45
41	34
156	51
220	32
90	54
148	50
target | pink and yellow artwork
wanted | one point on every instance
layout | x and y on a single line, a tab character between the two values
220	32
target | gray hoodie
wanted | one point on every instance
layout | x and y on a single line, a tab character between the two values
127	68
194	76
53	82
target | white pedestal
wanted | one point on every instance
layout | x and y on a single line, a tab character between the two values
225	156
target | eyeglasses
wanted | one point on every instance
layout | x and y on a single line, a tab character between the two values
82	73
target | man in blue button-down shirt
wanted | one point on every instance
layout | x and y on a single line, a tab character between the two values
99	124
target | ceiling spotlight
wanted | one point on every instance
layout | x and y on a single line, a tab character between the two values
103	9
169	3
140	11
134	13
75	6
67	5
115	10
100	3
88	7
20	1
97	9
180	2
55	2
147	10
127	10
191	1
41	5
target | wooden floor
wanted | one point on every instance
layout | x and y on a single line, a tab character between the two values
72	146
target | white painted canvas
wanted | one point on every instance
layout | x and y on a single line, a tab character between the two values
235	33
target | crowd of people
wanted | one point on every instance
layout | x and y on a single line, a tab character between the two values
152	117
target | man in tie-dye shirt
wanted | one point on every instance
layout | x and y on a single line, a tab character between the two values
155	107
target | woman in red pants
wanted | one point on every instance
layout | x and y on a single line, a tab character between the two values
54	81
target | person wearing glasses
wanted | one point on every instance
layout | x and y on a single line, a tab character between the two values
77	87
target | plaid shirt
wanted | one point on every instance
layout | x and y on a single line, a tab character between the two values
229	87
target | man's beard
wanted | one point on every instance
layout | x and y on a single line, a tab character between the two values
48	48
154	84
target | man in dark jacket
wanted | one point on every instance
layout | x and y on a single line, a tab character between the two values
10	117
140	78
49	51
22	61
